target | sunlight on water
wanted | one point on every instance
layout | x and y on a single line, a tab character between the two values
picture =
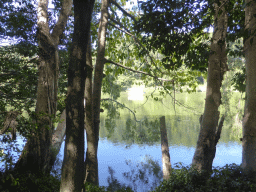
135	93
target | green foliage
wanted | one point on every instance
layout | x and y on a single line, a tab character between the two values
170	28
236	19
21	182
62	81
18	20
238	80
234	80
227	178
10	152
18	78
110	85
112	115
94	188
237	112
236	65
27	124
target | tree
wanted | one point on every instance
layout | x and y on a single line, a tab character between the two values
165	150
208	136
93	134
36	156
72	175
249	120
91	162
18	78
18	21
178	32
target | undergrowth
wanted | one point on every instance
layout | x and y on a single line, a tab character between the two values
183	178
227	178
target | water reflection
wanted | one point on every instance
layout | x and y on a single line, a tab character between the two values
132	149
133	160
128	140
116	155
181	130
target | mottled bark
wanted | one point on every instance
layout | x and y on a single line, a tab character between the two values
249	120
206	144
36	156
72	175
165	150
91	161
98	73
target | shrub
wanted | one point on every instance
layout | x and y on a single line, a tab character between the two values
227	178
28	182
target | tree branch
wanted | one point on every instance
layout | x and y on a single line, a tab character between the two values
125	30
142	72
120	24
123	11
137	43
113	11
120	29
218	132
43	34
108	99
62	21
32	59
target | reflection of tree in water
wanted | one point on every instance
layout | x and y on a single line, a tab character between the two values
114	184
144	176
112	115
181	130
144	132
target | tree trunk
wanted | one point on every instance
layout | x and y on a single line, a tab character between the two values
92	131
249	120
207	140
165	150
36	156
57	138
72	175
91	162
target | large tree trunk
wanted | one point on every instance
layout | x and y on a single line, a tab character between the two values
207	140
249	120
36	156
72	175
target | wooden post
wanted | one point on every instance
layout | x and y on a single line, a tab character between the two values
165	150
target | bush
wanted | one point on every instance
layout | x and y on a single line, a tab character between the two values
185	179
227	178
28	182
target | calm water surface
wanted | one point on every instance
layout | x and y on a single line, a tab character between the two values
126	144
